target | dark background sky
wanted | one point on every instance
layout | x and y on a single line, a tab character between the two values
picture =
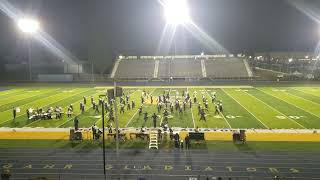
101	29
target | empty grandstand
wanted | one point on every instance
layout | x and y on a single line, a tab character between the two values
226	68
181	67
139	69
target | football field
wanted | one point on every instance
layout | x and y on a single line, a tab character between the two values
294	107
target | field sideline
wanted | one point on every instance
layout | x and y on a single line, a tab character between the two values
244	106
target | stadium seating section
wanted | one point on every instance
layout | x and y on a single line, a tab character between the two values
181	68
226	68
128	69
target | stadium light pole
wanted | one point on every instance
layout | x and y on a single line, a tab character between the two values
29	27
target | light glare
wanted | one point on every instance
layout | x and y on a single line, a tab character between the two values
176	12
28	25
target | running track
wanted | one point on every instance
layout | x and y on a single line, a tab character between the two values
131	164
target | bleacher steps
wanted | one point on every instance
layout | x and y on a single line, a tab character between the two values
156	69
115	68
153	140
203	68
248	68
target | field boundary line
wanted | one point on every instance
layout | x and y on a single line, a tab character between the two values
29	97
129	121
295	88
291	104
275	109
245	108
53	103
302	98
220	112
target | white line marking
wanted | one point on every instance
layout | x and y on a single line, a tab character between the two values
302	98
290	103
26	97
306	92
276	110
137	110
77	113
27	125
246	109
194	124
221	113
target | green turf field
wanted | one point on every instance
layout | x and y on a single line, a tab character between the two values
244	107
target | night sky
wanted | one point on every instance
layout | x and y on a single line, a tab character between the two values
102	29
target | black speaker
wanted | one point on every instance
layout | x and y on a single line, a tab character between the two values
78	135
242	135
110	92
71	136
236	137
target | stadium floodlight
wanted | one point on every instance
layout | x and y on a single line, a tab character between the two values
176	12
28	25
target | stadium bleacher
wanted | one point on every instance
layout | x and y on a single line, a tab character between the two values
128	69
180	68
226	68
189	67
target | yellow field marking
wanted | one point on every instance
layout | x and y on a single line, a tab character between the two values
253	136
34	135
218	136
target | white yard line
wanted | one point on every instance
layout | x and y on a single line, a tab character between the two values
44	106
132	118
306	92
161	121
10	93
77	113
137	111
194	124
246	109
220	112
292	104
26	97
117	107
53	103
302	98
275	110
